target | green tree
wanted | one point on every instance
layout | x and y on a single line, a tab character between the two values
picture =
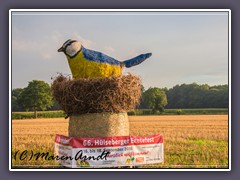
197	96
16	105
36	96
155	99
142	105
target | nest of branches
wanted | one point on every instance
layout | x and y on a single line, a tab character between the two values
96	95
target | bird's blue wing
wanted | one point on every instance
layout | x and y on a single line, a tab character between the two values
137	60
99	57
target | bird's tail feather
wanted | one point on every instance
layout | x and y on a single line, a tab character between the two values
136	60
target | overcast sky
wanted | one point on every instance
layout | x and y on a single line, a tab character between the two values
186	47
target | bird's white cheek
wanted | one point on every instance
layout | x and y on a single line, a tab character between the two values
70	51
73	49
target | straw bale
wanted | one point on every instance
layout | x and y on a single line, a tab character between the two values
108	124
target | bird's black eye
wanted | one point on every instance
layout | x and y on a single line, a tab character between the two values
68	42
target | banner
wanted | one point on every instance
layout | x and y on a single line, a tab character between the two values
109	151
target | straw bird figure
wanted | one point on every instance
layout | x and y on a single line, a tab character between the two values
86	63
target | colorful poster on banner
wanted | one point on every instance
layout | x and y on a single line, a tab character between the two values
108	152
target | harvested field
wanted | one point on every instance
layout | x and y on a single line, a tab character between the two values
190	141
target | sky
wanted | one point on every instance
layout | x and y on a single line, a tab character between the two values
186	47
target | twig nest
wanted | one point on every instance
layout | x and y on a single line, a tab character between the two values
97	95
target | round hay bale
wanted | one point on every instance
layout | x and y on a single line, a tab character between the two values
98	125
96	95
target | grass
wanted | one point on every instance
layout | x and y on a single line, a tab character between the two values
199	111
190	141
138	112
40	114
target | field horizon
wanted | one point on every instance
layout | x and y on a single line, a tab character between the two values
136	112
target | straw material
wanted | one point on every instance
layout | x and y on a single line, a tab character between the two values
98	125
96	95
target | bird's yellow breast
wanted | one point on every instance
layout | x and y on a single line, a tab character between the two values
83	68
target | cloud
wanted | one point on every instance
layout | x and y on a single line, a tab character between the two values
45	47
37	48
57	37
46	56
86	42
109	49
23	45
134	53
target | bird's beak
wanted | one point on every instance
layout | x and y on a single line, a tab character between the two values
61	49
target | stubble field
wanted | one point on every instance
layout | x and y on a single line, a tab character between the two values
190	141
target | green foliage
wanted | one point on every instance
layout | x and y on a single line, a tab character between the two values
198	111
16	104
137	112
36	96
179	111
41	114
197	96
155	99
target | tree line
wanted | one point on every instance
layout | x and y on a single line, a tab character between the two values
37	96
185	96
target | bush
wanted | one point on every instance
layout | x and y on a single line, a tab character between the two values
131	113
179	111
147	112
41	114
